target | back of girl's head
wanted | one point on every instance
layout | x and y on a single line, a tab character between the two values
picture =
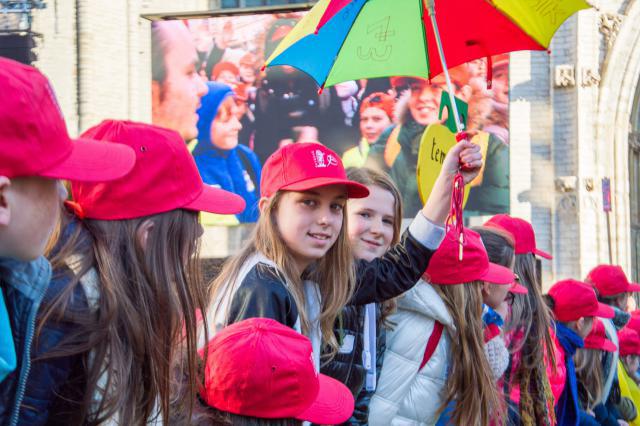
470	368
371	177
499	245
149	293
334	272
589	373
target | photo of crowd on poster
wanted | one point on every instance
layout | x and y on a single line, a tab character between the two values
244	112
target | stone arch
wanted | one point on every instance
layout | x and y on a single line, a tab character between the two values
620	75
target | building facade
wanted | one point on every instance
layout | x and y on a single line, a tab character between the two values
574	115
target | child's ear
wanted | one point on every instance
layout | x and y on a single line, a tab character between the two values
5	211
580	324
262	204
142	234
485	288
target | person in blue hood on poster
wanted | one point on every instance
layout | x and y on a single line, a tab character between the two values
221	160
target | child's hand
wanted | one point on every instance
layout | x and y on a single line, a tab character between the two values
465	156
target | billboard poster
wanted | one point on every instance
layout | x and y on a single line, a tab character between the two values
208	85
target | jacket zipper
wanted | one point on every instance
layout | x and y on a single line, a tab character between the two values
24	375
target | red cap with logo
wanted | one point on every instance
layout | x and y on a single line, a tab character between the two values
445	266
611	280
164	178
597	339
576	299
305	166
34	139
261	368
629	341
522	232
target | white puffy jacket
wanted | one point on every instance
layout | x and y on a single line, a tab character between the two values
404	395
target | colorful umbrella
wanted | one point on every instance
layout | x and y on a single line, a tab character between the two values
341	40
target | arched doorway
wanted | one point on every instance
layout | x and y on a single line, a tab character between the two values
634	185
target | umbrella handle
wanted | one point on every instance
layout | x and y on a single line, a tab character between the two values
432	15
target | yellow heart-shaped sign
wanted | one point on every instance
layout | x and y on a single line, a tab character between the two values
434	145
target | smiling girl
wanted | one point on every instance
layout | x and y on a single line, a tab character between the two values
374	226
298	267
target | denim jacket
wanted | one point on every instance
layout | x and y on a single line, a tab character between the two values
24	285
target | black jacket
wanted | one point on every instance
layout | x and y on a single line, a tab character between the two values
347	365
263	293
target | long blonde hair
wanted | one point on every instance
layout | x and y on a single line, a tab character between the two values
589	373
371	177
470	384
334	273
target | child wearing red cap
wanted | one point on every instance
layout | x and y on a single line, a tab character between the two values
627	373
36	153
613	289
280	387
528	324
588	362
440	330
374	226
119	320
376	114
574	305
298	268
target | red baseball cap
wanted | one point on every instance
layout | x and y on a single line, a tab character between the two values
164	178
261	368
518	288
576	299
634	322
445	266
34	139
629	342
611	280
597	339
522	232
304	166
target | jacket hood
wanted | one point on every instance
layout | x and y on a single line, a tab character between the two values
209	105
424	300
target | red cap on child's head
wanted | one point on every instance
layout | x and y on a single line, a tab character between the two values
305	166
445	266
522	231
610	280
576	299
34	139
597	339
261	368
164	178
629	341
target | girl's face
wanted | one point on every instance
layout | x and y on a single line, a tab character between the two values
226	125
371	223
494	294
311	221
632	363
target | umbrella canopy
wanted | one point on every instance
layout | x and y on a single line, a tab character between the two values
341	40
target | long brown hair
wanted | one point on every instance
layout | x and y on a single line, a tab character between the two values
590	374
371	177
144	323
334	273
470	384
530	316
